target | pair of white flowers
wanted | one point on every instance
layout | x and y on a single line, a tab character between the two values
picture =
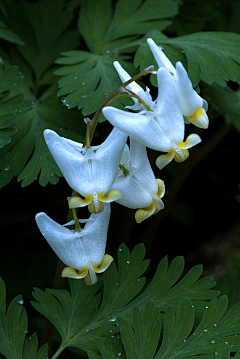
112	172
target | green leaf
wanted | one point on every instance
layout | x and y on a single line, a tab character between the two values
211	56
87	79
215	333
27	155
80	317
31	22
125	21
142	341
13	329
10	77
226	101
111	349
9	35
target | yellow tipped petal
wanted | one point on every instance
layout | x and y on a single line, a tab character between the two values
96	206
76	202
89	281
183	158
161	188
113	195
144	213
107	260
69	272
199	118
163	160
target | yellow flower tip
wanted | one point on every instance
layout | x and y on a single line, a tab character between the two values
69	272
183	158
161	188
89	281
106	261
144	213
199	118
75	202
96	207
113	195
196	114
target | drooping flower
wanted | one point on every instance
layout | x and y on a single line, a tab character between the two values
193	107
82	251
161	129
137	183
136	89
90	172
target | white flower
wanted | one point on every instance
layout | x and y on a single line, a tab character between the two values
90	172
192	105
161	129
137	89
137	183
82	251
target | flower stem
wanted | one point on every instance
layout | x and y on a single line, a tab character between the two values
108	99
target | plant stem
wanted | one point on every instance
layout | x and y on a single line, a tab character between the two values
108	99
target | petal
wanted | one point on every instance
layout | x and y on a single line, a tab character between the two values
76	202
89	170
69	272
95	235
133	194
145	213
143	128
189	100
160	57
107	260
163	160
113	195
199	118
168	111
191	141
63	241
181	158
142	170
124	76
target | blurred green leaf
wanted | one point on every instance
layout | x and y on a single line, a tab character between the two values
9	35
13	329
226	101
32	22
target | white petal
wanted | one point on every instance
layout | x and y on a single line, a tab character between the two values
124	76
95	235
133	194
77	249
142	169
160	57
143	128
192	140
63	241
88	171
189	100
168	111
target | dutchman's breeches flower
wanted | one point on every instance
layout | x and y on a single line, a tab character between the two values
82	251
137	183
133	87
90	172
161	129
193	107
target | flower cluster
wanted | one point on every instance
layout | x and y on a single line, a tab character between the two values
112	171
